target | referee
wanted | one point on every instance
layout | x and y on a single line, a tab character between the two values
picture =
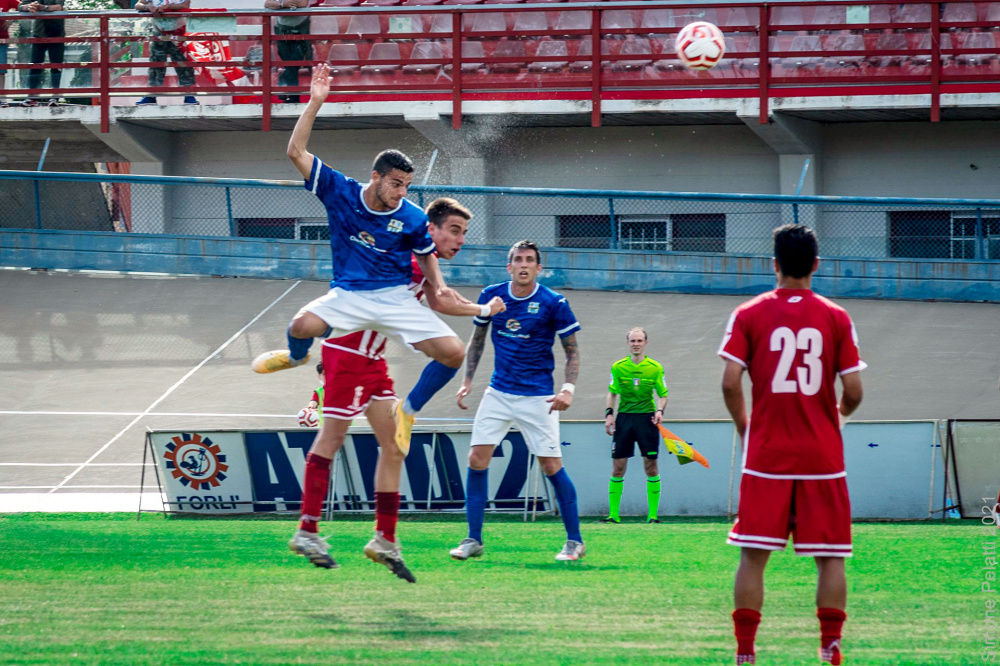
633	381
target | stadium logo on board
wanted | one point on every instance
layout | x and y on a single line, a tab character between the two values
395	226
533	307
195	461
513	325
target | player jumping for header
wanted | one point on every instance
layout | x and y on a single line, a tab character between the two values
373	230
520	392
356	381
794	344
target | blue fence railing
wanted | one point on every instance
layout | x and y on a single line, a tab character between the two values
640	221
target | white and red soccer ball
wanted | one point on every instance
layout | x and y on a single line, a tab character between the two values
700	45
308	418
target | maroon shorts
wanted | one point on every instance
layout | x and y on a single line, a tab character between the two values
351	381
815	512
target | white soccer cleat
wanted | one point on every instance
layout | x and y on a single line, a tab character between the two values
468	548
571	552
382	551
273	361
312	547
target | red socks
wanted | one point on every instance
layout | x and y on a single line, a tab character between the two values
314	489
831	621
745	621
386	514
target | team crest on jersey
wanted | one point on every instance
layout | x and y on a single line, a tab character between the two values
636	381
533	307
513	325
395	226
196	461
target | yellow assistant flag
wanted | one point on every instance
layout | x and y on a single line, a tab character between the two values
684	451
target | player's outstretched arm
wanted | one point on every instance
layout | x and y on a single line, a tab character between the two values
440	297
564	398
320	89
732	393
473	353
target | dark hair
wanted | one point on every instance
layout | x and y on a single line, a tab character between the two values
795	249
523	245
441	209
391	159
319	368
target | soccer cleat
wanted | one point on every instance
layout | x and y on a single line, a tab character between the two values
273	361
382	551
468	548
146	100
404	428
313	548
572	551
610	521
653	521
831	656
191	99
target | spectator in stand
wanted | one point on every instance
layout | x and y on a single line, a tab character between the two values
5	6
45	28
296	24
160	51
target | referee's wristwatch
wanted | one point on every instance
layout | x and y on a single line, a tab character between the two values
608	412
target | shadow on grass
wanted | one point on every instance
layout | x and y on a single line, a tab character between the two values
404	625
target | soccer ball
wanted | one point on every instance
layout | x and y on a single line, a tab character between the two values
308	418
700	45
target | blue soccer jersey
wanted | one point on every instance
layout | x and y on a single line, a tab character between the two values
523	336
371	250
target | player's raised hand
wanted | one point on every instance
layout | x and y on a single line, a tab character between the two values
496	305
560	401
320	88
463	391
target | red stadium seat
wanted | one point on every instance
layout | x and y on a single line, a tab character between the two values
573	20
849	42
806	43
383	51
961	12
737	16
530	22
420	3
654	20
637	46
441	23
745	44
363	25
834	15
425	51
879	14
585	51
343	52
975	40
924	43
689	15
509	49
491	22
324	25
553	48
469	50
911	13
891	41
340	3
993	14
617	19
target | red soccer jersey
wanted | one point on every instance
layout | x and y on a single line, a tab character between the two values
417	279
794	343
7	6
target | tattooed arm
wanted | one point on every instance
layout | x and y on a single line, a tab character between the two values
473	353
563	399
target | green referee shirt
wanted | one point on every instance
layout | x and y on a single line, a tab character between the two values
634	384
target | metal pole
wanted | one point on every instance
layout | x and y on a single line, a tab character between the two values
333	485
534	493
614	224
732	473
798	191
430	167
229	212
980	239
527	484
142	477
38	197
430	468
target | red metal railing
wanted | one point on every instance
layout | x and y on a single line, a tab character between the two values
595	52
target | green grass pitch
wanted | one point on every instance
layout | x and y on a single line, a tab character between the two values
104	589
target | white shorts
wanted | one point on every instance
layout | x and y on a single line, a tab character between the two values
498	411
390	311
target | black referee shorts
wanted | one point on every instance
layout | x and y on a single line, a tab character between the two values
632	429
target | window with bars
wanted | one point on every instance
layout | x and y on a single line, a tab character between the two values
697	232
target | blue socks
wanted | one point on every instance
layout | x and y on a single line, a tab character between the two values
477	494
298	348
566	496
434	378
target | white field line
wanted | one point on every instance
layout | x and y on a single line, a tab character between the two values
170	390
206	414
